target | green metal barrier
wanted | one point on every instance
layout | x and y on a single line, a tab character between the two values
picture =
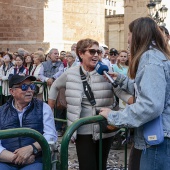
61	120
0	95
11	133
68	134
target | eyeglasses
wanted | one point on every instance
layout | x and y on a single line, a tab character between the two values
93	51
24	87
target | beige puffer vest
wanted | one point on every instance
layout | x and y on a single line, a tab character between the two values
102	90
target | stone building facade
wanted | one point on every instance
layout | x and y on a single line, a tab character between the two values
83	19
133	9
114	31
49	23
59	23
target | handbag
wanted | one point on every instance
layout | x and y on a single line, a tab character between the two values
153	131
61	99
106	128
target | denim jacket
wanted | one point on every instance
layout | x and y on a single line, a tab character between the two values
152	91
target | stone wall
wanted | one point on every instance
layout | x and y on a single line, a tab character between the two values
22	24
49	23
133	9
59	23
114	31
83	19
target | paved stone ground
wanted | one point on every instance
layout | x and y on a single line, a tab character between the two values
115	160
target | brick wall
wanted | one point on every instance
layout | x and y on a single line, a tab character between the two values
22	24
49	23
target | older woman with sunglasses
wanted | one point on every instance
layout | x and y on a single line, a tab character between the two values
79	105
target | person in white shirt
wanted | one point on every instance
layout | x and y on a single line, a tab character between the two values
104	59
73	48
24	111
71	57
38	58
113	55
5	70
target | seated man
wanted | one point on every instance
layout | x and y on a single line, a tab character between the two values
22	110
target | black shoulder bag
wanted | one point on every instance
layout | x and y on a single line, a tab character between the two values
106	128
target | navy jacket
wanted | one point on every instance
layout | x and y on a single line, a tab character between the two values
32	118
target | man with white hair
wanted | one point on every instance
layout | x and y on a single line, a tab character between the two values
104	59
52	68
73	48
22	110
22	52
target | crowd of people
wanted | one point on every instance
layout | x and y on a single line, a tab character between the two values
142	75
48	67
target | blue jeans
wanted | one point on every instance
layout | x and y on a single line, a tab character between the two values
36	166
156	157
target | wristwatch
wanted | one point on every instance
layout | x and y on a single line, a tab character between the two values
35	150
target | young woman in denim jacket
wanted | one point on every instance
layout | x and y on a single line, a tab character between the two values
150	70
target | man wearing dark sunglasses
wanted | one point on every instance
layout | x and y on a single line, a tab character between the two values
22	110
113	54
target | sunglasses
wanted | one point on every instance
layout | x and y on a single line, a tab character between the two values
93	51
69	56
111	54
24	87
123	56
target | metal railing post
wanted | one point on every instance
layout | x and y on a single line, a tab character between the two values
68	134
100	148
126	136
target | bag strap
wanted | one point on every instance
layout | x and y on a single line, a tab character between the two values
87	89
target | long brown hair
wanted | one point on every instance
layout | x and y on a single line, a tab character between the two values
145	31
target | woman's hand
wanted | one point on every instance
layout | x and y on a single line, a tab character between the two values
113	75
104	112
73	140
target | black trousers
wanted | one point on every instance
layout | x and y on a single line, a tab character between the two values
134	159
88	152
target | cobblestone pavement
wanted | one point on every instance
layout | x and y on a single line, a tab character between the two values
115	159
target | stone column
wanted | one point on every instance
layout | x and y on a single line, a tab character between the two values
133	9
